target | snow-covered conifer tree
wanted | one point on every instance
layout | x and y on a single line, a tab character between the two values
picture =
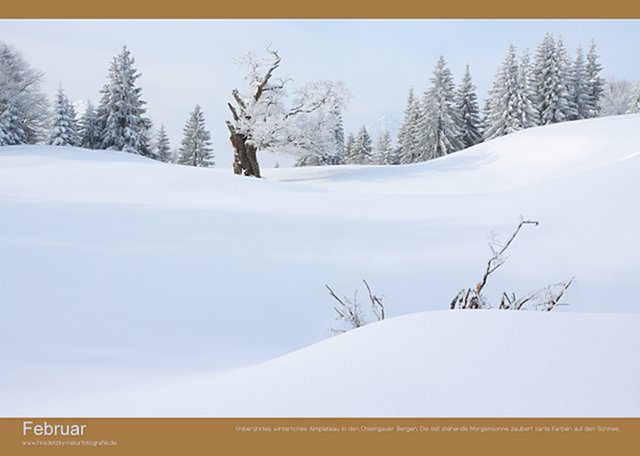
11	132
161	149
504	117
526	97
440	123
64	128
551	79
468	110
383	151
196	148
121	113
362	151
595	84
579	88
408	134
90	128
339	137
349	148
486	113
565	68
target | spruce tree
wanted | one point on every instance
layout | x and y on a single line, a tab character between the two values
340	156
349	152
527	114
362	149
565	69
11	132
469	112
121	113
196	148
161	149
64	129
550	75
440	124
503	116
595	84
383	151
90	128
579	88
408	134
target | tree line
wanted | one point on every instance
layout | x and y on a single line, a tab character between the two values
119	122
552	87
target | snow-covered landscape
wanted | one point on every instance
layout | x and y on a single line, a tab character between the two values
132	287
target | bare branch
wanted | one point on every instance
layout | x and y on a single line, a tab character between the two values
267	76
238	98
234	113
376	302
335	296
544	299
498	259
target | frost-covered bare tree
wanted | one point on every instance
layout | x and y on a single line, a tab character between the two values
634	106
545	299
616	97
266	117
351	313
24	110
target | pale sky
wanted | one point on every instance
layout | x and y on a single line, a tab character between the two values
189	62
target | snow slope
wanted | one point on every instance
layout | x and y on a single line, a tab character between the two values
125	277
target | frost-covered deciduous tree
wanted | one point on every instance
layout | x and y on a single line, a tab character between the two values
383	151
551	81
24	111
263	119
196	148
467	105
161	149
121	113
408	134
90	128
440	123
634	106
595	84
64	128
322	141
616	97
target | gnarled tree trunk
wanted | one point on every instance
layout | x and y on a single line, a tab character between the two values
245	160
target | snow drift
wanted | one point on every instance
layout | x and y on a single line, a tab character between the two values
121	275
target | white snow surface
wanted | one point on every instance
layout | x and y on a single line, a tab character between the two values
135	288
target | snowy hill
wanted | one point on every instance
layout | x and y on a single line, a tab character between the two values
122	275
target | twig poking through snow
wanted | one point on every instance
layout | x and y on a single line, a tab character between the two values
544	299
